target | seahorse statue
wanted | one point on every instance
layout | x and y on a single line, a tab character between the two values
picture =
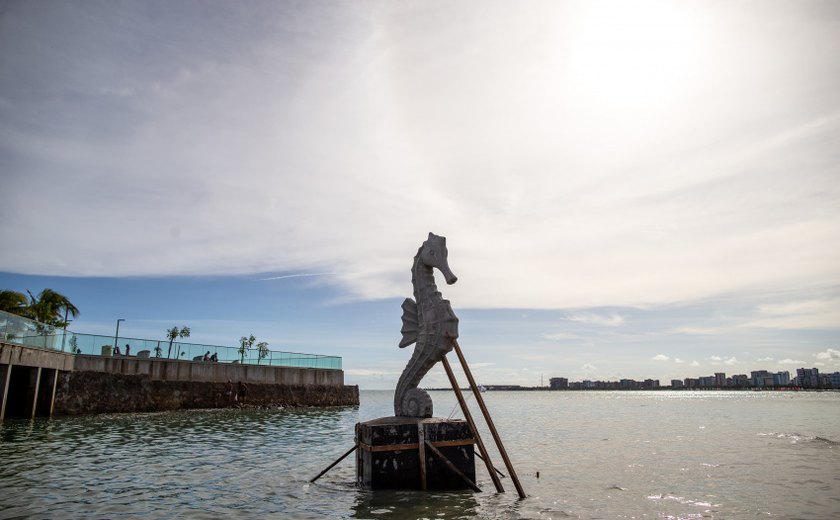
428	320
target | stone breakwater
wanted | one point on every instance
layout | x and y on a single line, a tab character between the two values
82	393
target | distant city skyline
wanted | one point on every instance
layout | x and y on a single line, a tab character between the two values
628	189
807	378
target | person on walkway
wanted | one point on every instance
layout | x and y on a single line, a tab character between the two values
206	356
127	349
117	350
243	392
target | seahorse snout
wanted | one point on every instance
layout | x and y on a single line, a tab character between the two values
449	276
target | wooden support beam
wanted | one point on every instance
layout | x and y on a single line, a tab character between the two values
488	419
468	416
448	464
319	475
421	450
35	393
4	388
497	469
52	397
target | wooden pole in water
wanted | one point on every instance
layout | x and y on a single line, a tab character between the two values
497	469
4	389
469	418
35	393
319	475
480	401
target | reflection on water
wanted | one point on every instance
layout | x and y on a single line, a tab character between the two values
599	455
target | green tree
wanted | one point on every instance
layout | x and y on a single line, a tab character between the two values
262	349
245	345
173	334
13	302
51	308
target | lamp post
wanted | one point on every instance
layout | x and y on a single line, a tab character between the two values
117	333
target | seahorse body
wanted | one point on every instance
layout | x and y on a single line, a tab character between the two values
429	321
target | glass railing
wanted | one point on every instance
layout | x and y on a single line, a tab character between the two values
15	329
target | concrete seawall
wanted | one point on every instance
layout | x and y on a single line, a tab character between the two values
177	370
40	382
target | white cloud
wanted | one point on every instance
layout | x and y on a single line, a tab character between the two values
700	331
730	361
694	364
818	313
830	353
559	335
607	320
660	357
296	275
678	360
789	361
766	359
589	367
334	140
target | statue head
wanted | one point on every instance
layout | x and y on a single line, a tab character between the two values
433	253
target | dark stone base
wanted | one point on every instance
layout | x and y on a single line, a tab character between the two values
378	466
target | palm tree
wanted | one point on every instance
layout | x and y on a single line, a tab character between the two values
51	308
174	333
13	302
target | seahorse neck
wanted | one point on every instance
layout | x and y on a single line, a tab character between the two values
423	278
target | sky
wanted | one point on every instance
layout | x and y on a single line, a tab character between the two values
645	189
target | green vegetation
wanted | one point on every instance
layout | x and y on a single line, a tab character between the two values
262	349
245	345
173	334
49	308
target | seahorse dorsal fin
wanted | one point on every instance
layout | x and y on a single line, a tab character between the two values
410	325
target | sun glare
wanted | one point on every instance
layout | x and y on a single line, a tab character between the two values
637	54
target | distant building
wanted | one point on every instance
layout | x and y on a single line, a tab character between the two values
558	383
834	379
720	379
761	378
706	382
629	384
808	377
677	383
650	384
781	378
691	382
740	381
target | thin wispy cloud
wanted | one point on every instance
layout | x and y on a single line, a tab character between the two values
297	275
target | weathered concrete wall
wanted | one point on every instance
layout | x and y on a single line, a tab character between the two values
99	392
178	370
99	384
11	354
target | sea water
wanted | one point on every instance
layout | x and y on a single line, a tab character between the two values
603	455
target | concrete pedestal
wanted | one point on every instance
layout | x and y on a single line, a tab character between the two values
392	453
